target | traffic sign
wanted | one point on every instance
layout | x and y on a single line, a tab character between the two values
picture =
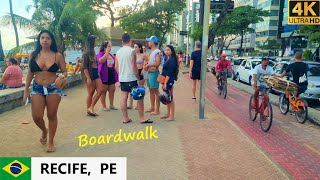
183	33
304	12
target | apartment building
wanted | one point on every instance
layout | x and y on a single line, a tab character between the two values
269	27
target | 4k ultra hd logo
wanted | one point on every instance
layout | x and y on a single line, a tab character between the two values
304	12
15	168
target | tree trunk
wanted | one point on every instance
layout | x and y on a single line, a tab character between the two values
212	34
1	50
201	13
281	29
240	54
14	24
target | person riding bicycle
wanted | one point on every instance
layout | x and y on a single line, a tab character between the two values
299	73
259	72
222	64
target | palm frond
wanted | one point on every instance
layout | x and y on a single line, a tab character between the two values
21	21
22	48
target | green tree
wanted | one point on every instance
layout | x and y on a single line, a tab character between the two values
270	44
307	54
242	17
312	32
14	23
70	20
228	26
107	7
154	20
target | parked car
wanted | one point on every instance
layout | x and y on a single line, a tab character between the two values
313	91
245	70
235	64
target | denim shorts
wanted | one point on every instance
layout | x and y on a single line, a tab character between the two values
94	74
45	89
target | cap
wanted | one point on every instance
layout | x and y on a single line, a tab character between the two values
153	39
223	55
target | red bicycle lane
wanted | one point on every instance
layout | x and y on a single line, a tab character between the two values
282	143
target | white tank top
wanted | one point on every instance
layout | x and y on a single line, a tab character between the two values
126	73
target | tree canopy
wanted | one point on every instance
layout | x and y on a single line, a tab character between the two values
235	23
107	7
70	21
312	32
153	20
270	44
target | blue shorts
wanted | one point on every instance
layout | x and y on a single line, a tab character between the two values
170	85
45	90
3	86
152	81
94	74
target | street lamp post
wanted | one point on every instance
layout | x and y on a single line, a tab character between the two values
205	38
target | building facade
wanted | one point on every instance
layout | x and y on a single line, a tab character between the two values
248	43
268	29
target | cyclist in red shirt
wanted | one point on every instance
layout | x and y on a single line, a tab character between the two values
222	64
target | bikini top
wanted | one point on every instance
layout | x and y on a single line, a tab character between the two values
110	61
34	67
140	61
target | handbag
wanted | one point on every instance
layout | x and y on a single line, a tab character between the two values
161	79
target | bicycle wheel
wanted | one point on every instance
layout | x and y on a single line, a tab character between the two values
266	116
283	104
252	110
225	89
302	114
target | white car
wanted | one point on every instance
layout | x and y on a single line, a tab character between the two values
245	70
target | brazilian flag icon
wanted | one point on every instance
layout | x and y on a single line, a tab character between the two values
15	168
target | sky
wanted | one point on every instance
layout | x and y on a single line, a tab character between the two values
19	7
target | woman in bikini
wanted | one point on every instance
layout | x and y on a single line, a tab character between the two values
108	74
141	59
44	64
90	71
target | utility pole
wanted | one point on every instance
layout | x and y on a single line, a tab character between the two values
193	17
188	20
205	38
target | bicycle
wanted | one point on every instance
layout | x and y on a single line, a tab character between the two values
265	109
222	83
298	106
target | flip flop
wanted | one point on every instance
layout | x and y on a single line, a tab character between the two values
106	109
129	121
129	108
51	150
153	113
169	119
43	141
164	117
113	108
149	111
147	121
92	114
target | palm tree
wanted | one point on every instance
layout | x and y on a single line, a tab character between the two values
70	21
14	24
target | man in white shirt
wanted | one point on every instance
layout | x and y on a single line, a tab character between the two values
128	74
259	72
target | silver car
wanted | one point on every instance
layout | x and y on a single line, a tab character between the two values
313	91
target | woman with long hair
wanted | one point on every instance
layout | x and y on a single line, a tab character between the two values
170	71
141	59
44	64
108	74
91	75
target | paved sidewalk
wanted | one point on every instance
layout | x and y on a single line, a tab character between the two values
187	148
